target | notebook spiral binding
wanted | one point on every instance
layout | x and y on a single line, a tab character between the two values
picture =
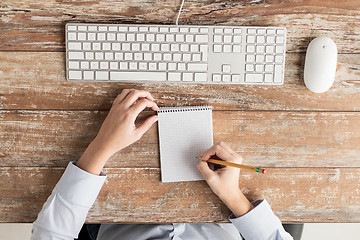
184	109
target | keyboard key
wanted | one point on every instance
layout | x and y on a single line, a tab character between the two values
121	37
250	48
250	39
194	48
172	66
280	39
236	48
130	37
280	31
250	58
251	31
183	30
200	77
269	49
128	56
74	45
104	65
94	65
278	59
150	37
143	29
201	38
119	56
186	57
114	65
227	48
193	30
278	74
270	39
135	47
155	47
217	48
133	65
260	39
227	39
145	47
140	37
204	30
71	28
269	58
82	28
184	47
152	66
86	45
174	47
268	78
76	55
217	38
160	37
138	76
167	57
204	50
115	46
174	76
125	46
260	49
106	46
124	65
101	36
170	38
216	78
180	38
187	77
102	75
254	77
177	57
164	29
237	39
189	38
235	78
88	75
138	56
226	78
227	30
218	30
84	65
74	65
81	36
226	68
162	66
197	67
269	68
249	67
111	36
181	66
91	36
260	58
279	49
196	57
165	47
259	68
237	30
143	66
133	29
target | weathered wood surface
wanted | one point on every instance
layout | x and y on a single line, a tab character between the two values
137	195
269	139
39	25
41	84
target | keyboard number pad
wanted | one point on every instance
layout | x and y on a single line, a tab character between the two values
264	55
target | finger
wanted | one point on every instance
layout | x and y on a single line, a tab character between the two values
218	151
132	97
146	125
226	147
140	105
122	96
205	170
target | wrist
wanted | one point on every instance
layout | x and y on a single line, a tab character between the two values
93	159
237	203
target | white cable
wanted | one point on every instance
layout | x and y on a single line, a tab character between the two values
177	19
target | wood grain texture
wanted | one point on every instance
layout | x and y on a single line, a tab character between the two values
137	195
268	139
29	25
41	84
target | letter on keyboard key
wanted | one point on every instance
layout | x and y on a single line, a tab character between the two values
254	78
138	76
199	67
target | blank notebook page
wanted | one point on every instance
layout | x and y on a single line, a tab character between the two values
184	133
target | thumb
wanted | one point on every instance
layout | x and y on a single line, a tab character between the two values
144	127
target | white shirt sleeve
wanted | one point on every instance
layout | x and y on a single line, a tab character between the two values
261	224
65	211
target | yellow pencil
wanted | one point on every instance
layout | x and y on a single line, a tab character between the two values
230	164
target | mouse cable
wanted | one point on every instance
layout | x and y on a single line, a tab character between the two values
177	19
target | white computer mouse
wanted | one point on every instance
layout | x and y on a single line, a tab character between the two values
320	64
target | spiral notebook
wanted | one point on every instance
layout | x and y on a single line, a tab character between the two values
184	133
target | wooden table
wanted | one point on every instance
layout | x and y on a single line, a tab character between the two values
310	143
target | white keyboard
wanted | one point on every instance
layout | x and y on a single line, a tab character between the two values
171	53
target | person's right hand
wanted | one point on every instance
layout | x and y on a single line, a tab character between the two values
224	182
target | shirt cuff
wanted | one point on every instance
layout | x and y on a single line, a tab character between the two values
79	186
259	223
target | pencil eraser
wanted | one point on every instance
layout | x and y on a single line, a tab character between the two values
264	171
